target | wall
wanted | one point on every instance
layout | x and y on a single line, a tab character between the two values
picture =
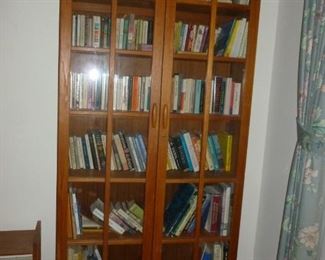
281	128
28	105
258	128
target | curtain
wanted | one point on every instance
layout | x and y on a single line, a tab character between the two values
303	223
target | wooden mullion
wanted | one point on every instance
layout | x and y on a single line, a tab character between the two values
109	128
205	132
244	126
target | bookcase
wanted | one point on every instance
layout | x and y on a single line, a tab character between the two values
154	108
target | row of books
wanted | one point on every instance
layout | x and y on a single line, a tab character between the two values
179	215
232	38
187	95
191	37
225	96
184	152
124	217
132	93
91	31
89	152
129	153
215	251
84	253
133	33
88	92
216	209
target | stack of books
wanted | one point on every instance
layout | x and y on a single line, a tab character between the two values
84	252
232	38
187	95
87	91
134	34
124	217
91	31
132	93
225	96
216	208
191	37
184	152
128	153
180	213
216	251
88	152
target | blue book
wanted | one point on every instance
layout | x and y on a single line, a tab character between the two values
197	96
142	146
177	206
139	154
205	209
223	38
186	151
217	147
213	153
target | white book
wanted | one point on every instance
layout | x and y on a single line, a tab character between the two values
198	38
243	45
226	216
236	99
76	152
191	151
78	30
187	215
96	31
217	251
134	157
117	42
115	223
81	153
74	202
184	36
82	30
92	135
97	254
130	221
226	109
72	155
147	94
120	151
239	38
120	34
145	32
175	92
74	30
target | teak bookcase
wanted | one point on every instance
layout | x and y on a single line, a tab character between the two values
153	188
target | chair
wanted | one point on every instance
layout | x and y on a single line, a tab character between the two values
21	242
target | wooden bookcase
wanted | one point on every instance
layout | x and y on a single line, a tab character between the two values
153	188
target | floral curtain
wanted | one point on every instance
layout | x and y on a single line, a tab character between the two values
303	224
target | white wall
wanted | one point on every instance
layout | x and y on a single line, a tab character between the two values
28	105
281	128
28	121
257	131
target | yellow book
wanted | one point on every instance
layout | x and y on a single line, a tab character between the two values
233	36
225	140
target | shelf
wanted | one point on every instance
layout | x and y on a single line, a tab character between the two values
232	9
174	177
220	176
123	114
136	53
127	177
183	239
116	239
88	176
186	116
88	113
90	6
220	117
87	238
187	55
90	50
210	237
229	59
194	2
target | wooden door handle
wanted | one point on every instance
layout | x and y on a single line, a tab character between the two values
154	115
165	116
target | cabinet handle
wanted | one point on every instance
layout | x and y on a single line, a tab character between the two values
165	115
154	115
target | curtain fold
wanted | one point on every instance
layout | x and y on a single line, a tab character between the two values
303	223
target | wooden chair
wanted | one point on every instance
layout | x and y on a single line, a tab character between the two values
21	242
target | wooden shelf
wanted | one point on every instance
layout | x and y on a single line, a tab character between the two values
135	53
220	117
90	50
232	9
86	176
185	116
210	237
125	239
175	177
90	6
83	112
186	55
183	239
217	177
229	59
194	2
87	238
123	114
127	177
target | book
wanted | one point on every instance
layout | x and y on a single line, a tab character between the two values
225	140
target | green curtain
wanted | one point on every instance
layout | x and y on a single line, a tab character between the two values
303	224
